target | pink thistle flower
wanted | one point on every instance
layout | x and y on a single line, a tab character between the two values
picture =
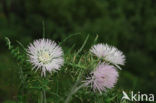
103	77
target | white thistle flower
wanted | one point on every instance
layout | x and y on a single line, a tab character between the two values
46	55
108	53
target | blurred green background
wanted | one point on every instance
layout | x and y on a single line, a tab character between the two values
128	24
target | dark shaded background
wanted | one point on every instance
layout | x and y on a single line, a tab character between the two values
128	24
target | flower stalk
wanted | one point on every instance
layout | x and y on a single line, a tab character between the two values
72	92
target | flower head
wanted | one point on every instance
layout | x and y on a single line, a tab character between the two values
108	53
46	55
105	76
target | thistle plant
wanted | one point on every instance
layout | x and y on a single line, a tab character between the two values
53	76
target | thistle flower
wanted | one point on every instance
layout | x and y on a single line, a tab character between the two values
46	55
103	77
108	53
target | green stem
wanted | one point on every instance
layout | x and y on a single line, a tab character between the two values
72	92
43	93
43	28
43	96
